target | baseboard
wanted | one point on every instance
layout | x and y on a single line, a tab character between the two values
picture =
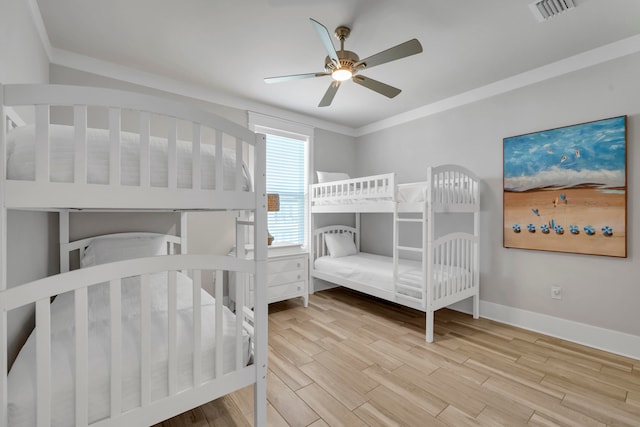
593	336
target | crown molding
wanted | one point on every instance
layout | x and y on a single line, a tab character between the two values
577	62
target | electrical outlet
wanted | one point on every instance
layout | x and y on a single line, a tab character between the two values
556	292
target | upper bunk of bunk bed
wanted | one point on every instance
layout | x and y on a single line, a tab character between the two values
103	149
448	188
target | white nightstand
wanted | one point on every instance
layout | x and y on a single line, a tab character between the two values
287	274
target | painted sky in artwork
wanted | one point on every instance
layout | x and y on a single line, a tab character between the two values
589	154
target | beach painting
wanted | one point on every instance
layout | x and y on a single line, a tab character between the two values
565	189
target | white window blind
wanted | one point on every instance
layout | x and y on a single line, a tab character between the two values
289	145
286	177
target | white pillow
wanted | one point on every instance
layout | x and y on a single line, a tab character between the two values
331	176
112	249
340	244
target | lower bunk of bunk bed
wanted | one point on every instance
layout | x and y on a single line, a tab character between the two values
129	341
450	277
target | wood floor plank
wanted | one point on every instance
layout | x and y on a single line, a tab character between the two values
454	417
541	402
288	404
332	411
407	390
348	372
274	419
584	352
370	355
450	365
611	412
423	365
301	342
289	373
291	353
463	389
504	416
224	412
456	393
373	417
400	410
336	385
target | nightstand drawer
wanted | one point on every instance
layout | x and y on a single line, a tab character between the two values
278	266
284	277
289	290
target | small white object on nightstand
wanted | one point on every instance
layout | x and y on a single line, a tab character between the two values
287	270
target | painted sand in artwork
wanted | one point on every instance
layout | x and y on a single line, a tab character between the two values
584	207
565	189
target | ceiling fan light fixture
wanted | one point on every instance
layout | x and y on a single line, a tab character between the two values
341	74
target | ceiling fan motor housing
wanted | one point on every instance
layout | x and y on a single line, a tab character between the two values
347	60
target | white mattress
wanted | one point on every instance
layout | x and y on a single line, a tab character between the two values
22	382
21	159
372	270
377	271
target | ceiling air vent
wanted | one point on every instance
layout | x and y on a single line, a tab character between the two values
545	9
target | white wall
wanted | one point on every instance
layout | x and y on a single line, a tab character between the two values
598	291
23	60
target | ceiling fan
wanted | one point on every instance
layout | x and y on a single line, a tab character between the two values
344	64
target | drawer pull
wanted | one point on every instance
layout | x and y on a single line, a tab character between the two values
299	265
299	277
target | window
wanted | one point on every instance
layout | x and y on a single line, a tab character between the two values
288	166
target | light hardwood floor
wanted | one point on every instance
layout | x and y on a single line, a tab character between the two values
352	360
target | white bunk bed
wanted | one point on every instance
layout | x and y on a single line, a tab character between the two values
139	339
445	269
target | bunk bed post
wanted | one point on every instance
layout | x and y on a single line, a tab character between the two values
476	263
183	233
63	220
429	218
358	231
260	280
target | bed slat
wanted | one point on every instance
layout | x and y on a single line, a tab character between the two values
197	328
218	162
145	345
218	327
240	303
115	305
43	362
173	331
114	146
80	135
82	356
239	163
42	143
172	153
145	150
195	150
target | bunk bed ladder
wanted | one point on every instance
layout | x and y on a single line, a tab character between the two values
403	289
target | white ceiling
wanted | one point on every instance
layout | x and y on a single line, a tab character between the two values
227	47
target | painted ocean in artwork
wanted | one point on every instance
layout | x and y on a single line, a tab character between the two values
565	189
592	154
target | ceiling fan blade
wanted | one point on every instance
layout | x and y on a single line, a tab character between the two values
329	94
294	77
381	88
325	38
402	50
